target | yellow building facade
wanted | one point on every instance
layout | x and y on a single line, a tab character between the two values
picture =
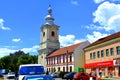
103	56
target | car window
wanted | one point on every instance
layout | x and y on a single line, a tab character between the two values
35	79
31	70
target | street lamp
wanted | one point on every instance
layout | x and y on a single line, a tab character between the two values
67	60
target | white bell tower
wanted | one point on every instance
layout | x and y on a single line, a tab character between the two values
49	38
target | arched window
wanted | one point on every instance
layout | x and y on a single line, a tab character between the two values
58	68
70	68
53	33
43	34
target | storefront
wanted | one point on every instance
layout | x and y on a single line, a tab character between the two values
105	68
116	63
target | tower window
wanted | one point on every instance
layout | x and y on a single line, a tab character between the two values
43	34
53	33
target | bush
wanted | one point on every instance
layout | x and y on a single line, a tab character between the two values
62	74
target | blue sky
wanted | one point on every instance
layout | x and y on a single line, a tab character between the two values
79	20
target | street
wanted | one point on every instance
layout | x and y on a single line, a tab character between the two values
59	79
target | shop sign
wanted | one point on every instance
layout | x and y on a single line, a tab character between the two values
116	62
99	64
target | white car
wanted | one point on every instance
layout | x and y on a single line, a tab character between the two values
54	74
10	76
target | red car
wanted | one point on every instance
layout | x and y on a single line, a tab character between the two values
83	76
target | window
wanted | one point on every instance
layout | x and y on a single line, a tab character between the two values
53	33
118	50
94	55
111	51
102	53
43	34
98	54
57	59
107	52
27	69
70	68
47	61
70	57
54	60
90	55
63	58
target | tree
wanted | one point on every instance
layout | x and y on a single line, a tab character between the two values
15	59
5	62
27	59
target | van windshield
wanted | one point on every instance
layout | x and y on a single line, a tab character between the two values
31	70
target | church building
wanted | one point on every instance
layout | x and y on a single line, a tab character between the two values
52	56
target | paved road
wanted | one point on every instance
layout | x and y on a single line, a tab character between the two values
60	79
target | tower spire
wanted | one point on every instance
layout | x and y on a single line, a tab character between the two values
50	10
49	18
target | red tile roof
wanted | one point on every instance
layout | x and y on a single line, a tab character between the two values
62	51
110	37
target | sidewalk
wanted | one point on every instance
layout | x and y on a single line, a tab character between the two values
116	78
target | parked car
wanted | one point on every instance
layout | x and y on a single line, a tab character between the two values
10	76
83	76
54	74
38	77
69	75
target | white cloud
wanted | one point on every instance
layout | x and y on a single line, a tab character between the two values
108	16
16	40
31	50
68	40
7	50
98	1
94	27
74	2
2	25
95	36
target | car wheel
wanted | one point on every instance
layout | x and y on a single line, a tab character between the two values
80	79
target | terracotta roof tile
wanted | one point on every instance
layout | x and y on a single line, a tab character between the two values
110	37
62	51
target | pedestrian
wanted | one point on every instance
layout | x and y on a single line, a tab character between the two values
47	73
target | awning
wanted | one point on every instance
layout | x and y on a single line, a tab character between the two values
99	64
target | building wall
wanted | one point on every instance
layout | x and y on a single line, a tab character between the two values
105	58
79	60
103	47
53	62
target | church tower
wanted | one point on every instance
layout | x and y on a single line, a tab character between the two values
49	38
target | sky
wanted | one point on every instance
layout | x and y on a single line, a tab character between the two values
79	20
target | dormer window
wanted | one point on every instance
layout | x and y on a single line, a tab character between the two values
53	33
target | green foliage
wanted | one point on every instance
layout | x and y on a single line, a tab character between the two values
12	63
62	74
53	70
5	62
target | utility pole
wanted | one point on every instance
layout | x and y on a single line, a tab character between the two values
67	60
